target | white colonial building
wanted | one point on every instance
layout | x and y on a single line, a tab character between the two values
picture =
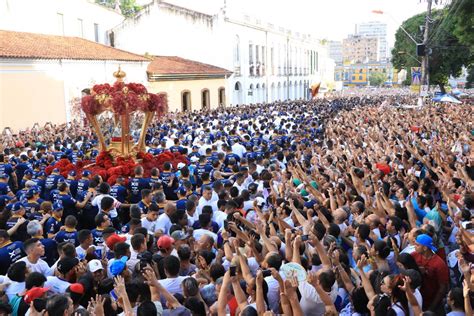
80	18
268	62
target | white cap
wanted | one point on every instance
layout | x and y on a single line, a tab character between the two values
181	165
193	159
95	265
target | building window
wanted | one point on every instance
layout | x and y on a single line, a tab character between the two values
221	93
251	65
60	17
96	32
185	101
250	90
360	77
353	77
80	28
272	65
237	50
205	99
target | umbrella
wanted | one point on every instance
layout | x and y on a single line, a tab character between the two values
446	98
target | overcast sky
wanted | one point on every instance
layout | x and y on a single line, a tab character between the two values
330	19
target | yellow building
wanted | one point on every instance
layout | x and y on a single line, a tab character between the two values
359	74
188	84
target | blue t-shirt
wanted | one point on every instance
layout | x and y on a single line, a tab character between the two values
70	236
52	225
9	254
119	192
97	236
6	169
4	188
135	186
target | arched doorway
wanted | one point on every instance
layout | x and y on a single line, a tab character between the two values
273	96
279	92
237	97
257	94
264	93
185	101
205	99
251	94
221	94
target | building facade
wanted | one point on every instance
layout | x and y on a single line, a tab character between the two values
268	62
358	74
360	49
335	51
378	30
79	18
42	76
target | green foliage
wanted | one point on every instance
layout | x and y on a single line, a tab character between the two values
448	53
377	79
128	7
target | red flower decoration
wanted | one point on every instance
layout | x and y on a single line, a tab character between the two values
119	103
101	88
90	105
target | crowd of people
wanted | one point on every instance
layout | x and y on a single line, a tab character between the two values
342	206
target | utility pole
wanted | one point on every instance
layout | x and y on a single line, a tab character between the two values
425	58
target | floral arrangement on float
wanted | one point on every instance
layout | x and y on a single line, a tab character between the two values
121	154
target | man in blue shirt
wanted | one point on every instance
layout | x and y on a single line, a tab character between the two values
72	182
69	234
54	224
137	184
52	182
10	251
7	169
83	183
118	190
70	204
4	187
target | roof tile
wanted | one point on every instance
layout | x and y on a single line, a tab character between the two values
178	65
42	46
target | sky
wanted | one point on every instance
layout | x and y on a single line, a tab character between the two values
325	19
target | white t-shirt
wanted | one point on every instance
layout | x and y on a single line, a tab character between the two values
311	303
173	285
40	266
151	226
203	202
163	223
113	212
14	288
198	233
56	285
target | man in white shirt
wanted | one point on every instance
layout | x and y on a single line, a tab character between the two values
206	199
173	281
104	190
311	303
239	150
66	274
206	227
150	221
163	224
34	251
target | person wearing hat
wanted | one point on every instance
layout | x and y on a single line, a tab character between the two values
40	181
76	292
72	182
54	223
33	201
118	267
51	183
70	204
83	183
65	275
4	187
434	271
27	176
16	224
7	170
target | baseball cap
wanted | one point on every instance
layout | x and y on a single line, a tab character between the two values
28	172
165	242
95	265
72	173
427	241
4	199
18	206
181	165
58	205
118	266
31	193
179	235
30	183
34	293
41	174
67	264
77	288
114	239
194	159
55	170
86	173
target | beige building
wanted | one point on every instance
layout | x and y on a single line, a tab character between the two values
189	85
360	49
42	76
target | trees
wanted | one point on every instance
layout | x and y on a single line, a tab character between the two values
448	54
128	7
377	79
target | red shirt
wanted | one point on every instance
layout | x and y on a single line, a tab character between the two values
436	274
